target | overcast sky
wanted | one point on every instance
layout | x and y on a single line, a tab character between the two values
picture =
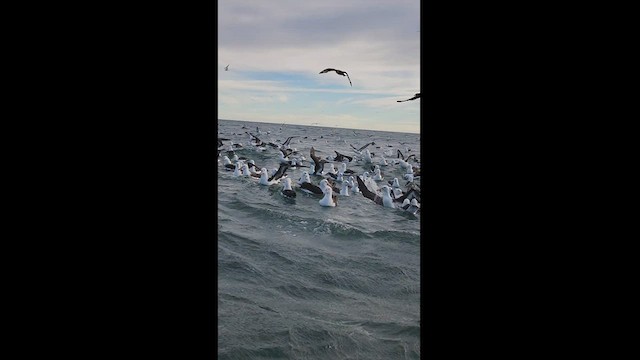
275	50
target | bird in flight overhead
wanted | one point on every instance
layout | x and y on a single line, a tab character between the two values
226	68
339	72
416	96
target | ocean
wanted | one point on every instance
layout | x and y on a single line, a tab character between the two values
297	280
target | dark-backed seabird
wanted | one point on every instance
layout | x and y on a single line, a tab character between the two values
341	157
247	172
363	147
264	180
329	199
416	96
368	193
343	169
411	206
287	191
318	163
228	165
280	172
310	188
339	72
286	142
238	169
226	68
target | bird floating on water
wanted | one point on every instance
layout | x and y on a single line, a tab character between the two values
339	72
416	96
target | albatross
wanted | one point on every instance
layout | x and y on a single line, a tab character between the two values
318	163
339	72
416	96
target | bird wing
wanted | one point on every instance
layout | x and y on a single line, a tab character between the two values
312	153
257	139
280	173
368	193
327	70
365	146
400	154
348	78
316	161
311	187
288	139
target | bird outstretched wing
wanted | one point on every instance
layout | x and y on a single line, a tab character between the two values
416	96
349	79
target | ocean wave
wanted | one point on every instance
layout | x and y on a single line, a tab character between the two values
307	292
339	229
398	236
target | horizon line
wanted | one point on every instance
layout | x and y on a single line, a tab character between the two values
311	125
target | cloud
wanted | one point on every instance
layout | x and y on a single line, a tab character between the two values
276	50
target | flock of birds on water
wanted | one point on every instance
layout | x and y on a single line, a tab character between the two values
335	177
344	73
332	177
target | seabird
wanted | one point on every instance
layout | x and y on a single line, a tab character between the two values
344	191
247	172
228	165
341	157
220	140
367	156
286	190
329	199
363	147
264	180
237	171
368	193
377	175
343	169
412	193
304	178
339	72
310	188
330	171
416	96
286	142
319	163
279	173
411	206
354	185
226	68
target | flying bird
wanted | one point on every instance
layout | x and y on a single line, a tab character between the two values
226	68
416	96
339	72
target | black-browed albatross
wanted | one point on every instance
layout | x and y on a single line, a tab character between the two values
339	72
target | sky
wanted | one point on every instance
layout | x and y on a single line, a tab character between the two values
276	49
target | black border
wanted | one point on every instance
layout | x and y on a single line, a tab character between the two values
130	263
